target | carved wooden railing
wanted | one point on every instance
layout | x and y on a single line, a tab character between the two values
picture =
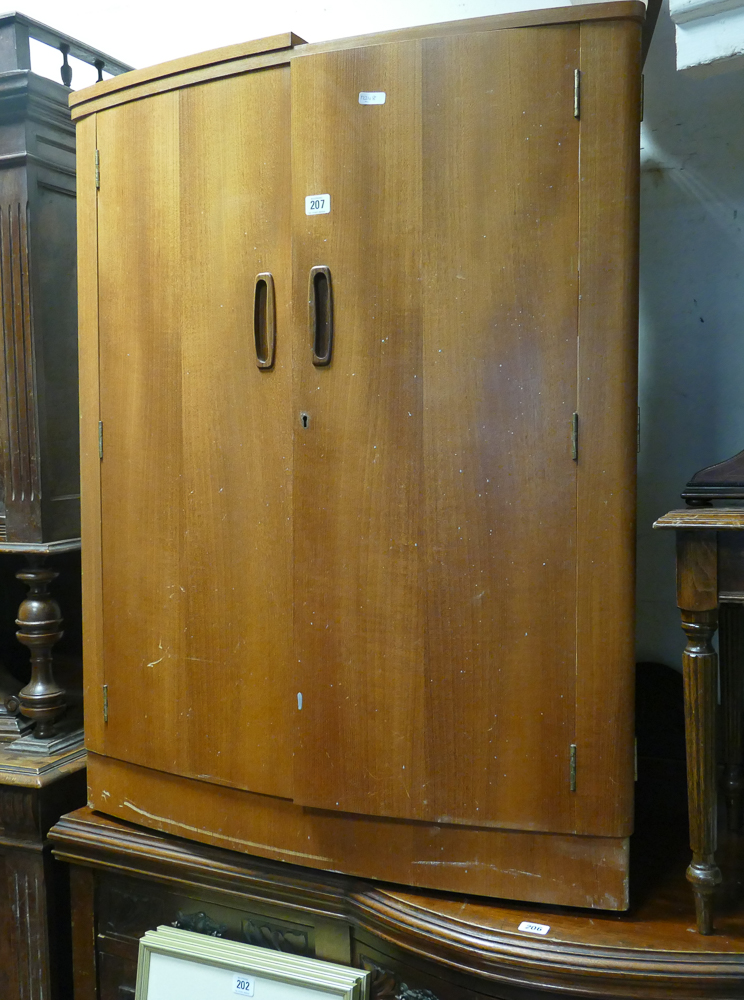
15	32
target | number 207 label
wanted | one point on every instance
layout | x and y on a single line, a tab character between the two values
243	985
317	204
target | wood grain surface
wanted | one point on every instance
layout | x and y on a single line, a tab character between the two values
722	518
232	58
140	371
90	471
697	570
468	946
607	407
183	65
427	535
448	618
199	619
360	615
499	370
560	869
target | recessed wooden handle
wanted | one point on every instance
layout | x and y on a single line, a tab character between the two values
264	320
320	297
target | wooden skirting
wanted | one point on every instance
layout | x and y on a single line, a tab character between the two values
452	944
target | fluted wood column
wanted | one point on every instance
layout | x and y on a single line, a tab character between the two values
697	598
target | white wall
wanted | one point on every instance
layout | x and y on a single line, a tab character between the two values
142	33
692	309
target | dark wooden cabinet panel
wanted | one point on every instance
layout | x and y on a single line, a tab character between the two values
39	477
34	887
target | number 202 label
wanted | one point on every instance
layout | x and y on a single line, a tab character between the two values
243	985
317	204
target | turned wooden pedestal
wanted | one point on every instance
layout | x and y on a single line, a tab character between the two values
39	623
710	591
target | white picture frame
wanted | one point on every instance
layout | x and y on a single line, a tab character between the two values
181	965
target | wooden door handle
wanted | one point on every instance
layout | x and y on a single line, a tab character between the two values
264	320
320	299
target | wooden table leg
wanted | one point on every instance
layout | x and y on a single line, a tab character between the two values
701	694
732	688
697	596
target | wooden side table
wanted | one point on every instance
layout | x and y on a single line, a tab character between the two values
710	586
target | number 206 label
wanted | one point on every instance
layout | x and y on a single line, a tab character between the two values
531	928
317	204
243	985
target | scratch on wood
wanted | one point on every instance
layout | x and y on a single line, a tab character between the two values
126	804
478	864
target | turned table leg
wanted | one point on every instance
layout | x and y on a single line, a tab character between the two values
731	644
697	596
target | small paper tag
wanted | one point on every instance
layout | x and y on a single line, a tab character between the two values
372	97
533	928
243	985
317	204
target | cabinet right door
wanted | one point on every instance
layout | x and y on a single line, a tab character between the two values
435	476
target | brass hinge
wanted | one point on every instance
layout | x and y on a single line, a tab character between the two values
575	436
577	93
105	702
643	93
638	431
572	768
100	439
98	170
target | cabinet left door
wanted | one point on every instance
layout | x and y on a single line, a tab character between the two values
196	468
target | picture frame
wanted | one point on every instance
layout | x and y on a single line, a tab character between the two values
182	965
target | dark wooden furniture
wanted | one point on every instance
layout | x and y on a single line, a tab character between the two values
39	451
722	481
710	588
368	608
39	497
34	901
421	946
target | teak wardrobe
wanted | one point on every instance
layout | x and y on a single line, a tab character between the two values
358	351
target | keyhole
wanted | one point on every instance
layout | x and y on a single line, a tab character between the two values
305	418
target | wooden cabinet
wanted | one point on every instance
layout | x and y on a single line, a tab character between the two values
359	484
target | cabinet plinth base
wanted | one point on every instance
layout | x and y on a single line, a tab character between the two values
563	870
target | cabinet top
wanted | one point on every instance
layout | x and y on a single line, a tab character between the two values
278	49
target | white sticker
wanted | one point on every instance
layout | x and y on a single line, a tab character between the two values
372	97
533	928
317	204
243	985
